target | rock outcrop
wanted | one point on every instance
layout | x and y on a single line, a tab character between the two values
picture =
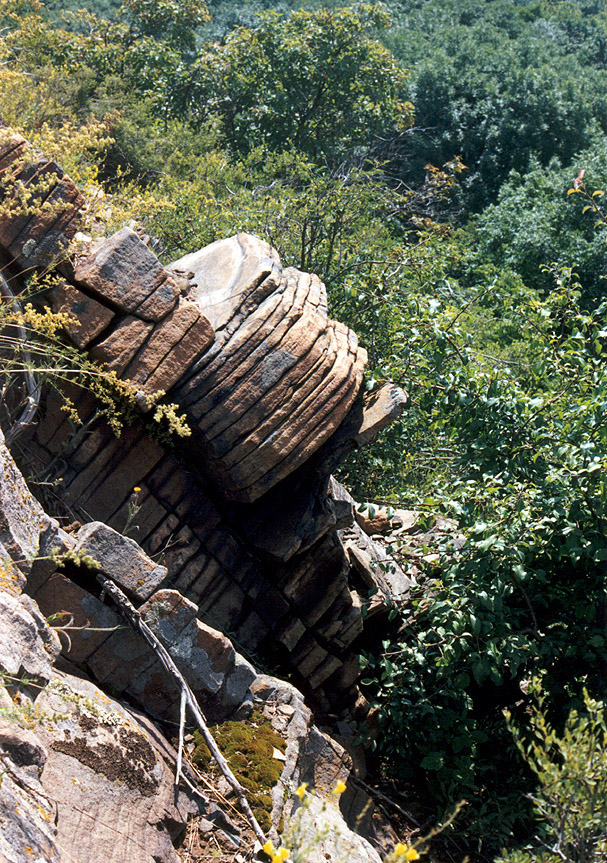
86	776
239	519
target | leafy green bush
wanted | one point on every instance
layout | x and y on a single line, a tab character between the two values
525	592
571	769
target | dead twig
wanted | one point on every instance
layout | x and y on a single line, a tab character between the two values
129	611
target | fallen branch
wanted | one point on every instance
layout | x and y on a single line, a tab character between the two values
129	611
182	707
33	388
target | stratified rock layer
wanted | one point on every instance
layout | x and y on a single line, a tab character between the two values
281	376
86	777
238	518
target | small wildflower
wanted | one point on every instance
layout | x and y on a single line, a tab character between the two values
340	787
401	850
269	849
281	855
301	791
136	489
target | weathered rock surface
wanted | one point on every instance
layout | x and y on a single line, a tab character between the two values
88	317
120	559
42	238
92	780
110	779
21	521
27	814
23	652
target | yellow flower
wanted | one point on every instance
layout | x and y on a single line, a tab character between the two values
401	850
301	791
269	848
136	489
281	855
340	787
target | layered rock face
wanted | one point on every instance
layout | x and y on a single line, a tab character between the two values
239	519
88	777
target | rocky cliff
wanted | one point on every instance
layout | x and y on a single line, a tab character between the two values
239	530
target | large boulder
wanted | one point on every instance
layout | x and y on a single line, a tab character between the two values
281	376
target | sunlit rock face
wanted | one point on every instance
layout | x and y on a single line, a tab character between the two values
280	377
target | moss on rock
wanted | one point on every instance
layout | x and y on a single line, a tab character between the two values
249	749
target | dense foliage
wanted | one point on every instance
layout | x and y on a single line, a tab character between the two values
418	156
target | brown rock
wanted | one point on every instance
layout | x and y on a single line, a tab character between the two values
90	318
119	348
161	302
380	522
174	344
122	270
83	611
381	408
176	363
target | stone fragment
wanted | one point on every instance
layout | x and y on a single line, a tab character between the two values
380	522
21	522
405	521
21	745
120	559
322	829
376	569
174	344
22	650
382	407
54	542
122	270
92	621
119	348
89	318
161	302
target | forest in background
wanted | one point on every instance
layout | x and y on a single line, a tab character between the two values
439	163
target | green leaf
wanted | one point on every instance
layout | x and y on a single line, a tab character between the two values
433	761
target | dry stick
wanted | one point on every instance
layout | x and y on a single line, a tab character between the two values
33	388
129	611
181	728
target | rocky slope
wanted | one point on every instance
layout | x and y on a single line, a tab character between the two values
241	529
86	776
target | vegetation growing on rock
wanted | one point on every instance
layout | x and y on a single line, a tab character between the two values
437	242
249	746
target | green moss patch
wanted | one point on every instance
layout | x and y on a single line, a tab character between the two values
248	747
